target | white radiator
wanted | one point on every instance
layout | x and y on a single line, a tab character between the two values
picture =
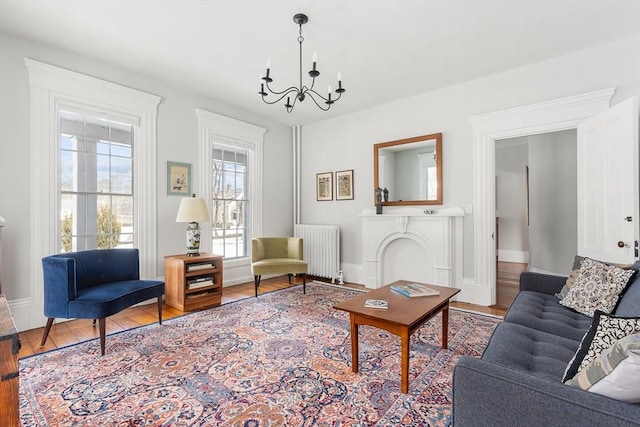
321	245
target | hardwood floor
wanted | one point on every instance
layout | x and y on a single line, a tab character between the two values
508	282
67	333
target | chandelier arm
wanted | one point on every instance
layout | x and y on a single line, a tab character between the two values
310	91
283	94
313	98
287	90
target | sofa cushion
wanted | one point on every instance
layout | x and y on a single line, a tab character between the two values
615	372
629	305
525	349
604	332
575	271
110	298
542	312
597	287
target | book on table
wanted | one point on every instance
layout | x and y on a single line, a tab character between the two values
377	303
414	290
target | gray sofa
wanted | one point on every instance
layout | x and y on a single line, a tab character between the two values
517	381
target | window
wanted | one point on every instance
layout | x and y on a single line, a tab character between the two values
230	174
60	101
230	201
96	183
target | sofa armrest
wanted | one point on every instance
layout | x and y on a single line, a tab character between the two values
488	394
544	283
59	276
295	248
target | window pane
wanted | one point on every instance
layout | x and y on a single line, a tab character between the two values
122	208
92	175
102	170
230	202
121	175
121	150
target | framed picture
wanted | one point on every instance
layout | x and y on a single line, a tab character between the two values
178	179
324	186
344	185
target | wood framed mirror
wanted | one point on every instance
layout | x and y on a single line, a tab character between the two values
410	170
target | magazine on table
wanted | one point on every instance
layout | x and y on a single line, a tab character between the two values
414	290
377	303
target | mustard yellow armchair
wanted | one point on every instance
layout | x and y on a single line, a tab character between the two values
278	255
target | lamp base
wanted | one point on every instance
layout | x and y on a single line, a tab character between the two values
193	239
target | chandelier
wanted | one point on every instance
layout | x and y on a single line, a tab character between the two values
301	92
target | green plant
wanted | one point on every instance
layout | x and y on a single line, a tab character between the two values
66	229
108	229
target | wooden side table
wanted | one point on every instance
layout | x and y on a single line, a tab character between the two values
193	282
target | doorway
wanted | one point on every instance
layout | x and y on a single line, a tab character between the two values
536	207
549	116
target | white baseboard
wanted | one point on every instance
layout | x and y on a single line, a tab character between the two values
506	255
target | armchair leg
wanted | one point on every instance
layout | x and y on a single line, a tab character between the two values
102	323
160	309
304	283
289	275
46	331
256	281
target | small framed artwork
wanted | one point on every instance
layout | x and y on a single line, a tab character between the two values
324	186
178	179
344	185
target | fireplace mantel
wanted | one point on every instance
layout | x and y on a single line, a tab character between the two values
437	232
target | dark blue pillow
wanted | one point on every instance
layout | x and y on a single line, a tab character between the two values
629	303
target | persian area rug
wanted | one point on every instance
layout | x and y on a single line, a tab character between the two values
282	359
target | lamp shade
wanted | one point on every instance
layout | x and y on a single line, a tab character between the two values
193	209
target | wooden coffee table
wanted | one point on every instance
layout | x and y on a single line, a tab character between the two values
403	317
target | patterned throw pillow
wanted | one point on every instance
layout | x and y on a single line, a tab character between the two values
604	332
615	372
575	271
597	287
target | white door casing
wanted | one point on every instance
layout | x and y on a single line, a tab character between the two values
608	201
548	116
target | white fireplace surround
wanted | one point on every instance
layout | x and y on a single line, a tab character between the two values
436	232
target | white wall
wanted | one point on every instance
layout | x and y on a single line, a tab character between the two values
553	196
512	159
177	138
347	142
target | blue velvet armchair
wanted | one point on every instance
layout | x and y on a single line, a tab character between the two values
95	284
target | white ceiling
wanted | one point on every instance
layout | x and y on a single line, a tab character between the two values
385	50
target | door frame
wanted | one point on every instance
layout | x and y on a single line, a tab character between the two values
543	117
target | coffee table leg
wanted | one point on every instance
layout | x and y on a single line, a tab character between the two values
404	361
445	327
354	344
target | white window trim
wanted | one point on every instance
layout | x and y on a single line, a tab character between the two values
215	128
52	87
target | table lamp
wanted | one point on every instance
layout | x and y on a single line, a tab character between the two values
193	210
